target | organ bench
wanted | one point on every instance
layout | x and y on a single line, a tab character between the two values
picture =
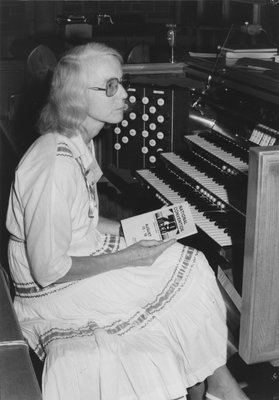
17	376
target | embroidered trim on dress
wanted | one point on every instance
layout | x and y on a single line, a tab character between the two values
91	190
111	245
64	150
32	290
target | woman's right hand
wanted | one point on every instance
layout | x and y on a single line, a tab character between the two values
145	252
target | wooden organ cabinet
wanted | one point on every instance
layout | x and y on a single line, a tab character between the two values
221	154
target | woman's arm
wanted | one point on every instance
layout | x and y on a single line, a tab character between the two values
141	254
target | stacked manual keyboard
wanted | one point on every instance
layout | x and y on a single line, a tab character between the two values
212	178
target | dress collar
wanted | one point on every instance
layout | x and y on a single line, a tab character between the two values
86	154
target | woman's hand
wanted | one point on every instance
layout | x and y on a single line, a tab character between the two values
145	252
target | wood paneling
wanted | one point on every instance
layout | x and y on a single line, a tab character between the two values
259	328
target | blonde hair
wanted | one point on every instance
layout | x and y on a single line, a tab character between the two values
67	107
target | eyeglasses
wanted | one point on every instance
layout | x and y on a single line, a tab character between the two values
112	86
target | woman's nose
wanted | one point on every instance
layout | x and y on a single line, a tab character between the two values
123	91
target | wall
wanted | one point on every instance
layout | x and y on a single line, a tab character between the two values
22	19
202	25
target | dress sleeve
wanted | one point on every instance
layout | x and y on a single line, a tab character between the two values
49	225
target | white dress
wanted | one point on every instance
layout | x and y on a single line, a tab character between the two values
136	333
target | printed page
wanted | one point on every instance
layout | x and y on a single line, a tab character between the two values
175	221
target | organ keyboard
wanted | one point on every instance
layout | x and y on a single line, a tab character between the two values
169	196
228	171
229	160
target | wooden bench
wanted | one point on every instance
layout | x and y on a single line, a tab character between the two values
18	380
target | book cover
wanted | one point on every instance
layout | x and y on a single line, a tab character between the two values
175	221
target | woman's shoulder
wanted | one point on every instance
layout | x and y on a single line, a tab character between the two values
49	161
43	147
46	148
49	152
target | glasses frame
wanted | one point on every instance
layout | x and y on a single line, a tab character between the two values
121	82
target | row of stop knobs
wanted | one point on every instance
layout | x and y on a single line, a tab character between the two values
144	120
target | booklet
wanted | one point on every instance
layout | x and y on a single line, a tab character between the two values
175	221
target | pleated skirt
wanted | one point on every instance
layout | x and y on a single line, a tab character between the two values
136	333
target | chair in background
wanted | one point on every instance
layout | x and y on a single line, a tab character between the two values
140	53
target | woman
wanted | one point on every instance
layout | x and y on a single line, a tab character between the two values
142	322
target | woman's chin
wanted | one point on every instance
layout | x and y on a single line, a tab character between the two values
118	117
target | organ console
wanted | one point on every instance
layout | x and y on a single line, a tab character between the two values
225	163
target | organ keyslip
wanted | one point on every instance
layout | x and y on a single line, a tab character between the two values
227	168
